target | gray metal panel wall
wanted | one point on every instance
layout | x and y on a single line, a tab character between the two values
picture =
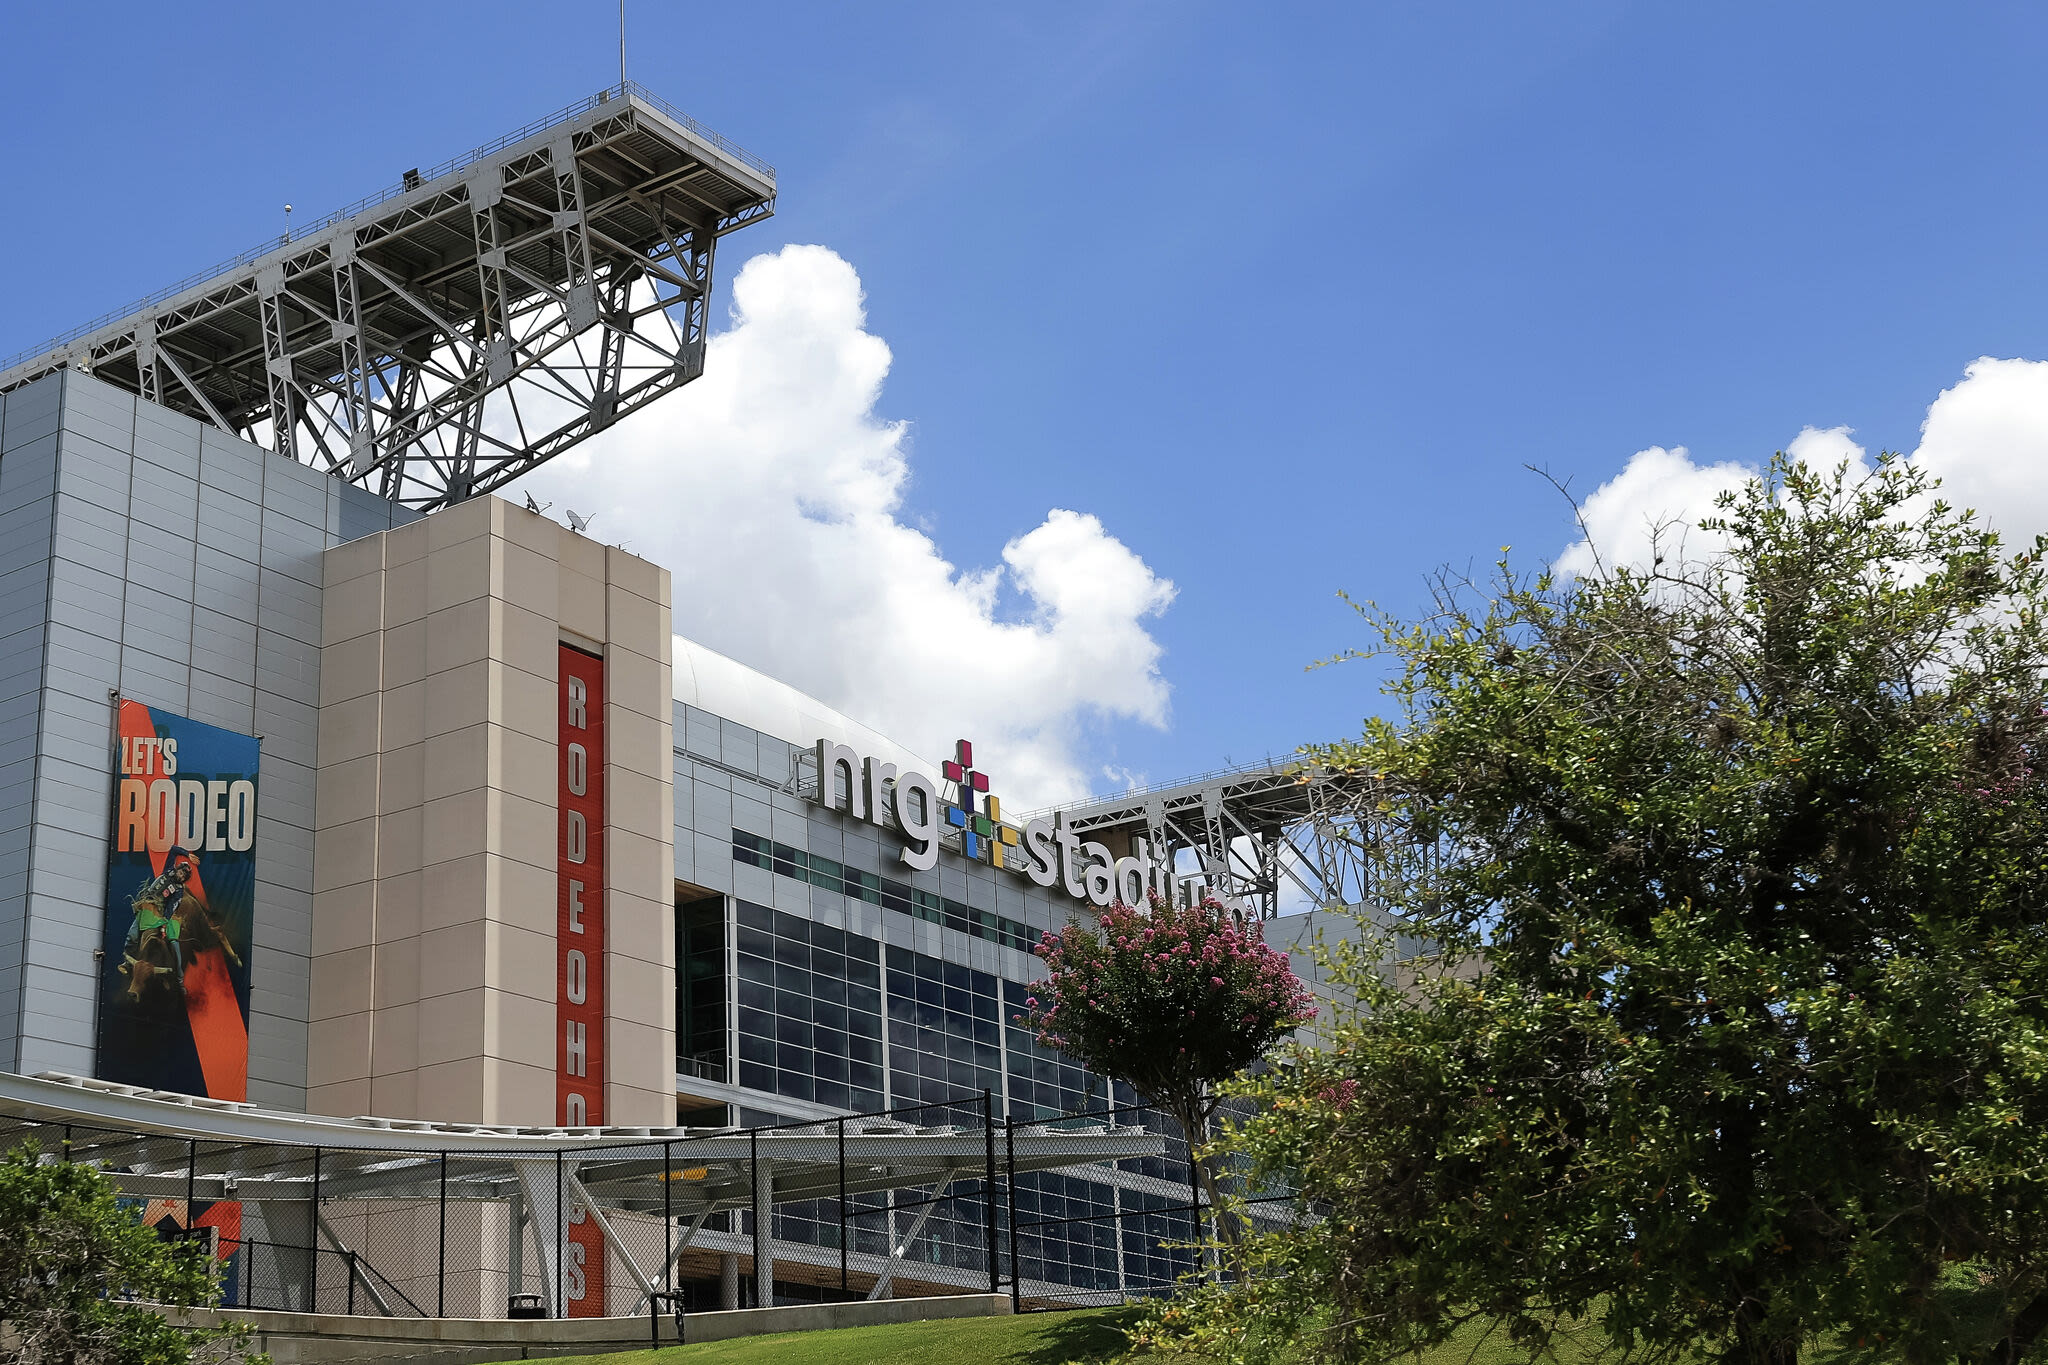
183	568
29	422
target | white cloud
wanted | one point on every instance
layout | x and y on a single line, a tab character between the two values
771	489
1654	501
1986	439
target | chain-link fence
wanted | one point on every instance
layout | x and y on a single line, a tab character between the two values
424	1220
1095	1235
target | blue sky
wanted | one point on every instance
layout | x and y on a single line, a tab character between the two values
1286	298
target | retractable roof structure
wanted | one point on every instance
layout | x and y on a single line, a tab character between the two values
440	339
1257	831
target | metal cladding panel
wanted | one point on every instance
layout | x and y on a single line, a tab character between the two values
33	413
182	566
217	701
362	514
232	466
225	581
29	420
224	644
289	606
169	440
224	521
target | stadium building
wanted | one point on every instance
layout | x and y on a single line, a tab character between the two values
334	784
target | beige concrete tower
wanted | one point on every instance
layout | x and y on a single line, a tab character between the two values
437	977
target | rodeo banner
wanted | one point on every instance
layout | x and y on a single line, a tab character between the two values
181	895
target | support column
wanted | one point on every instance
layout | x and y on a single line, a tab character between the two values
729	1281
145	360
515	1250
355	359
547	1208
764	1234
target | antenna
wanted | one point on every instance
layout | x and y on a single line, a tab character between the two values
288	208
622	42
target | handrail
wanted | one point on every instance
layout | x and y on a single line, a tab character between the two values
1268	764
370	201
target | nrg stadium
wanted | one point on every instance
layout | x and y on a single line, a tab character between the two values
398	903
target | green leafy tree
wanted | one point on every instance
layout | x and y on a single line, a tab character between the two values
1739	1035
77	1268
1169	999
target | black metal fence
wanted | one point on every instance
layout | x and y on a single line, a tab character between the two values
945	1198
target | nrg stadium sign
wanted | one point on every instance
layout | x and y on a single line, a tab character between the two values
1046	851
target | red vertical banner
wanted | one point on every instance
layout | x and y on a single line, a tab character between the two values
579	949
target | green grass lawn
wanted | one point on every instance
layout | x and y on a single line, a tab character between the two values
1086	1337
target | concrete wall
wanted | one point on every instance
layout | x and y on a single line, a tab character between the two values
305	1338
434	979
143	551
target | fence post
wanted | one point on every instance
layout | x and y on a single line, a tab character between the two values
349	1266
313	1241
441	1256
191	1186
1010	1183
988	1185
668	1223
561	1235
248	1273
842	1206
764	1295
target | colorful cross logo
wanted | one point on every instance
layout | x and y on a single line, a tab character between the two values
977	828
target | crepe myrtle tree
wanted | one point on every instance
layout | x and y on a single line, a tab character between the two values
1169	999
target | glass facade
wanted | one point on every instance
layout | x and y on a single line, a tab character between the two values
945	1030
810	1010
1043	1083
701	1033
904	899
835	1017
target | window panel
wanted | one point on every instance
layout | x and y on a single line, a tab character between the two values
793	1031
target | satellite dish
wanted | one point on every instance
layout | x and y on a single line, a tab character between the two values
536	507
579	523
